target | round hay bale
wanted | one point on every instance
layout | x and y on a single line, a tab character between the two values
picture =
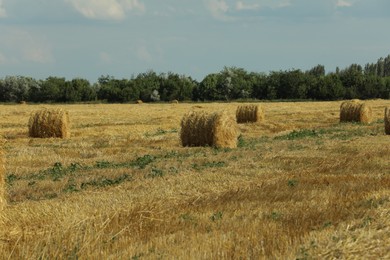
355	111
249	113
175	101
387	120
47	123
217	129
22	102
139	101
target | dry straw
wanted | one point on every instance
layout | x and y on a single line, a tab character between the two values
139	101
249	113
3	201
48	123
355	111
217	129
387	120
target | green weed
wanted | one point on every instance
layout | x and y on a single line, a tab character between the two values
216	216
205	165
155	172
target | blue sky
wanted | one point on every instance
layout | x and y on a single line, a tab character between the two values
121	38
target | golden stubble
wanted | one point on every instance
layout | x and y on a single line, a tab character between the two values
271	197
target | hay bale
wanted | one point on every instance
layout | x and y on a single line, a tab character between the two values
355	111
249	113
217	129
47	123
22	102
3	201
175	101
139	101
387	120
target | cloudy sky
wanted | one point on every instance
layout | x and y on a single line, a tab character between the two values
121	38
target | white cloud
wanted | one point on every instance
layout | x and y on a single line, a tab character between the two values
23	46
37	54
143	54
105	57
106	9
3	59
284	3
343	3
217	8
240	5
3	13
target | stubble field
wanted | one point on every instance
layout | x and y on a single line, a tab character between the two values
299	186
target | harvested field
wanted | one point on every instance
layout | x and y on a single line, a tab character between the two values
299	185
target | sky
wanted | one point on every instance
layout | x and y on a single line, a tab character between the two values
122	38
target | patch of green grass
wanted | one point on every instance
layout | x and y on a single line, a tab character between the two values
275	215
186	217
161	131
59	171
56	172
251	142
327	224
292	183
142	162
104	165
155	172
205	165
347	135
71	187
11	178
216	216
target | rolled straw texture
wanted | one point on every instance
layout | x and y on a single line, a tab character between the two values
249	113
48	123
355	111
218	129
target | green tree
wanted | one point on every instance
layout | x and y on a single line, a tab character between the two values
175	86
146	83
207	89
317	71
352	79
16	88
51	89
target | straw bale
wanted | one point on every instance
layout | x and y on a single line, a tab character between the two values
249	113
139	101
47	123
355	111
387	120
22	102
175	101
217	129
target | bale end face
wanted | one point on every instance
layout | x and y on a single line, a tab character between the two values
47	123
217	129
387	120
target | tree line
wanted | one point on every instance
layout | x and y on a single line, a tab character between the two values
231	83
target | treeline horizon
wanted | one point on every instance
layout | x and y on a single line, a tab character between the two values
231	83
